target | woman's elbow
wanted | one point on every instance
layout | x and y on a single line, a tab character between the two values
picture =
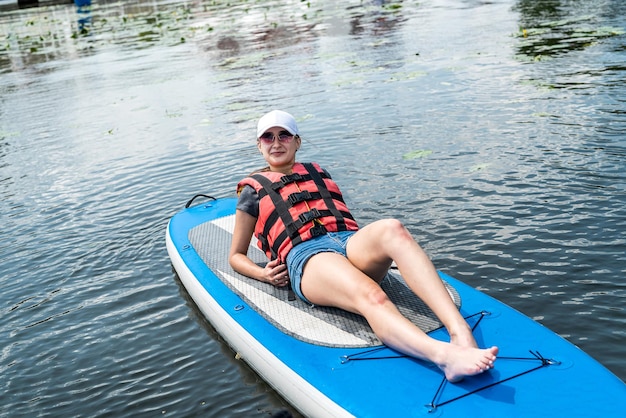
234	259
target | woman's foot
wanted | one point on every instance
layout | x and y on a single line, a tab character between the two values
466	340
462	336
458	362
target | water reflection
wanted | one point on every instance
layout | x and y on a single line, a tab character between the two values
83	9
376	21
546	29
233	30
42	35
550	28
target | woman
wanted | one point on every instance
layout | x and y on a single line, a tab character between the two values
298	214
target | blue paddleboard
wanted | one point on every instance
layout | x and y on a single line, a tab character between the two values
328	363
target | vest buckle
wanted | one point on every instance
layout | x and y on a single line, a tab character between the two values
291	178
309	216
318	230
299	197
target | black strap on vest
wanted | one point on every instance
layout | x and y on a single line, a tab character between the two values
328	198
280	210
292	226
290	178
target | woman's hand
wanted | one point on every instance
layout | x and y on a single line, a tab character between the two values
276	273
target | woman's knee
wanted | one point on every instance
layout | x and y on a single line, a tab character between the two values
373	295
393	229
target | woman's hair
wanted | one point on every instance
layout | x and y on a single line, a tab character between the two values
260	170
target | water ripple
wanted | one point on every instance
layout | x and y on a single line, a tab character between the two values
509	172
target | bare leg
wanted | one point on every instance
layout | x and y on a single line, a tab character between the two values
374	247
346	287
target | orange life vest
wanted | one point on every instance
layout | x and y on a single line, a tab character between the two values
296	207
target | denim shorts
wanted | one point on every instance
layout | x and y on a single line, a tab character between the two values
331	242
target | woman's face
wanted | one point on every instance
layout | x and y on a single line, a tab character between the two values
279	148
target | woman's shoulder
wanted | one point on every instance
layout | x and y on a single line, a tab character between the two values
248	201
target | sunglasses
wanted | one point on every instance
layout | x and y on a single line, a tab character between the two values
283	136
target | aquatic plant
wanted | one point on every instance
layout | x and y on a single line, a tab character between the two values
545	40
420	153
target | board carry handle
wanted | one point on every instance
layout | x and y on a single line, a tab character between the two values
196	196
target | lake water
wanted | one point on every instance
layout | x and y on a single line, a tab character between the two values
496	131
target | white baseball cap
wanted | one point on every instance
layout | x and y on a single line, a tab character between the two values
277	118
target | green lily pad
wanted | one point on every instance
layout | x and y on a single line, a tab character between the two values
479	167
7	134
420	153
